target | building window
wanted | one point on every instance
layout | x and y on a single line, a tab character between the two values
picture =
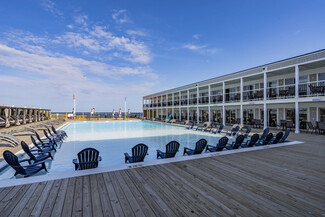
303	79
289	81
321	76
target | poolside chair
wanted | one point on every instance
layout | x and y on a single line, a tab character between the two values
59	132
61	137
219	130
88	158
266	141
199	147
171	149
41	147
41	156
138	153
265	132
10	139
51	138
205	126
285	136
277	138
251	142
199	126
187	122
46	141
191	127
219	147
209	129
237	143
233	131
248	130
26	171
311	127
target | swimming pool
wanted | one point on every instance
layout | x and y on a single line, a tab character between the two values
113	138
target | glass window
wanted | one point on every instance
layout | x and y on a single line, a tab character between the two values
322	114
289	81
321	76
303	79
261	85
232	90
248	87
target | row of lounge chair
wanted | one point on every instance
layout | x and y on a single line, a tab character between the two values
37	155
141	150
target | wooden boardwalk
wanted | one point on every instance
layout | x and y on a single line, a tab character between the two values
284	181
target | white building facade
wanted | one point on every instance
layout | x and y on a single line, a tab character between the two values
290	91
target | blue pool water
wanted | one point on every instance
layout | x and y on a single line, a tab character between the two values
113	139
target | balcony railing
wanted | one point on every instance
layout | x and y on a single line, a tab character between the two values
281	92
193	101
203	100
253	95
216	99
184	102
233	97
310	89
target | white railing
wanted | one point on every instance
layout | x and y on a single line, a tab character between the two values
314	88
253	95
281	92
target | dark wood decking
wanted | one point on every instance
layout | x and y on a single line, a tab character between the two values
285	181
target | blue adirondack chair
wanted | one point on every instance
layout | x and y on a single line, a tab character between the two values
26	171
199	147
219	147
138	153
285	136
251	142
266	141
237	143
248	130
88	158
36	157
277	138
219	130
171	150
233	131
263	136
40	147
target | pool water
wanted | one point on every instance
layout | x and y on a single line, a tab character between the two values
112	139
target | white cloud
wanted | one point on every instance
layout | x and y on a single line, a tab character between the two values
201	49
120	16
49	5
136	32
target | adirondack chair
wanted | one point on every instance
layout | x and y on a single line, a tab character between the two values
40	156
43	147
199	147
267	140
59	132
263	136
45	141
88	158
248	130
285	136
50	138
277	138
219	130
138	153
237	143
60	137
219	147
251	142
191	127
171	149
233	131
26	171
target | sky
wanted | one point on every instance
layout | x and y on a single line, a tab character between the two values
104	51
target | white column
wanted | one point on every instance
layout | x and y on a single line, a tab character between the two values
277	117
188	113
173	105
297	118
223	115
317	114
241	115
265	116
241	89
188	97
162	112
297	81
179	114
209	95
197	114
308	113
265	85
209	113
197	95
223	93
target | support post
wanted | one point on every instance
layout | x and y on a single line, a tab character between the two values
297	81
241	89
265	85
265	116
297	130
223	115
241	115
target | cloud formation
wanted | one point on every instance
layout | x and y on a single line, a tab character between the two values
120	16
49	5
200	49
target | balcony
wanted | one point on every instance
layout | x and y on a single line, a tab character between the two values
184	102
232	97
193	101
253	95
203	100
312	89
216	99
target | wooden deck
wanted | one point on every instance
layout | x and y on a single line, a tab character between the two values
284	181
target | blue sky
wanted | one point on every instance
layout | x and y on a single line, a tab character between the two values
106	50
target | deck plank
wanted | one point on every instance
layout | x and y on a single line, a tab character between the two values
104	197
59	202
95	198
42	199
77	199
48	206
68	200
86	200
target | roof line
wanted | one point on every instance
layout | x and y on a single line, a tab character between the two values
242	70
